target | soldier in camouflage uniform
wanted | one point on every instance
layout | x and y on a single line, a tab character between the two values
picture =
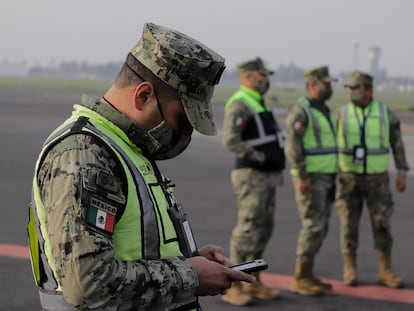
251	133
105	230
312	152
367	129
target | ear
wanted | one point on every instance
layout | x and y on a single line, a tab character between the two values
142	94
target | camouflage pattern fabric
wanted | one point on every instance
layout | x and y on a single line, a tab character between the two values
84	258
235	118
255	194
296	123
319	74
354	191
397	144
185	64
359	78
314	211
254	65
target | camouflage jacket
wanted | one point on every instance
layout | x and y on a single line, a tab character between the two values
236	116
89	274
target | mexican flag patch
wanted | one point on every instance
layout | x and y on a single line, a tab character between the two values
238	122
101	215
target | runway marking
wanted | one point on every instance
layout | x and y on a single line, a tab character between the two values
280	281
403	295
15	251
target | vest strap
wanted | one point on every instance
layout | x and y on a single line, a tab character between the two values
150	242
318	151
369	151
263	138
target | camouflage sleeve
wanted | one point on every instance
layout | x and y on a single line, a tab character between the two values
235	119
88	272
397	145
296	123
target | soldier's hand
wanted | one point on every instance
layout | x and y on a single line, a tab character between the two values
400	183
304	185
214	278
215	253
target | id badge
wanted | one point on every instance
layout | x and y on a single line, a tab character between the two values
360	154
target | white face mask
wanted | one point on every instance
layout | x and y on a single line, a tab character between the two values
171	142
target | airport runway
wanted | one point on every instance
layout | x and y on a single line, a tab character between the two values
203	186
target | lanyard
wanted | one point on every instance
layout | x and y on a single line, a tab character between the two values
362	125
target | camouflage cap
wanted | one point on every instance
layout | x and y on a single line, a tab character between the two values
185	64
254	65
359	78
319	74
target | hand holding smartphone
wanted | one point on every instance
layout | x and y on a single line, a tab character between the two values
252	266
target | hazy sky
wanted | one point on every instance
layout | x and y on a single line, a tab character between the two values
307	32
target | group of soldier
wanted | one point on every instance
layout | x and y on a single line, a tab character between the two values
106	231
339	159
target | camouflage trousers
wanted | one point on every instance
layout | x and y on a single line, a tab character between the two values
255	193
314	210
354	191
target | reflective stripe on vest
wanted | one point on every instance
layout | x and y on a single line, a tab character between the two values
376	137
319	142
263	138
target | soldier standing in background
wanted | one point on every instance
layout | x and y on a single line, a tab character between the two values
250	131
367	129
105	230
312	152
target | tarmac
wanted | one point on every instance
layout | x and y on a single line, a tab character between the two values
202	176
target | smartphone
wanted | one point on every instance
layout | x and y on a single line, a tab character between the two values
249	267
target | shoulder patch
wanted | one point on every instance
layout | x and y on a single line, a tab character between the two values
298	126
102	199
101	214
238	122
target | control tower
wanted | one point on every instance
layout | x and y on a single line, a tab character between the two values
374	55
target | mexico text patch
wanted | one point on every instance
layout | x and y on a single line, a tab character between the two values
101	215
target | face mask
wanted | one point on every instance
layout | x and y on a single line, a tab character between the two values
325	93
262	85
172	143
357	97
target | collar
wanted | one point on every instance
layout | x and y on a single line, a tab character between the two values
319	104
137	135
252	93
